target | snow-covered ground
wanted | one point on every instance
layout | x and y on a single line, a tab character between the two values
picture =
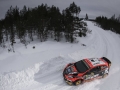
41	68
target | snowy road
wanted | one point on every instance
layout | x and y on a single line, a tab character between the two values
41	69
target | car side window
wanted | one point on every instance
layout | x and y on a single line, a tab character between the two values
96	69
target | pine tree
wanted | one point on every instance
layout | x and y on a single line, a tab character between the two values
1	30
86	17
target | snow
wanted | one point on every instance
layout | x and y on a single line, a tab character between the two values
41	68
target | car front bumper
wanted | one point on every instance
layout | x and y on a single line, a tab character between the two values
69	82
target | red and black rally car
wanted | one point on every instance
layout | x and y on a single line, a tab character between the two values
86	70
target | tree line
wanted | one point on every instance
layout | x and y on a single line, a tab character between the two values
43	22
112	23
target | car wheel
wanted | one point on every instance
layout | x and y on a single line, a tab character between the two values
104	75
78	82
69	83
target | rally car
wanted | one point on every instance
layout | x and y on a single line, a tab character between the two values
86	70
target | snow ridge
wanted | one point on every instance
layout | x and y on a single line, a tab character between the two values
19	77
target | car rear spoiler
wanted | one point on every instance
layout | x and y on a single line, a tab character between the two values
107	60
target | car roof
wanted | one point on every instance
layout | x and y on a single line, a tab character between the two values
93	62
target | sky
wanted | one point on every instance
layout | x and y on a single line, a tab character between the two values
93	8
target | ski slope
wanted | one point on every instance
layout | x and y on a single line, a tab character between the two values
41	68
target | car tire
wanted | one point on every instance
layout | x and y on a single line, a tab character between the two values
78	82
69	83
104	75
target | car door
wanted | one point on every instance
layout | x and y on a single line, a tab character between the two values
104	70
93	73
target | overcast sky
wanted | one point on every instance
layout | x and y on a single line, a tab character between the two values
92	7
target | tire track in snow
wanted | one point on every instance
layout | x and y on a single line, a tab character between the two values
112	54
104	41
101	45
89	51
51	73
109	47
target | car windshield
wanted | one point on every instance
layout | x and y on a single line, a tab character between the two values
81	66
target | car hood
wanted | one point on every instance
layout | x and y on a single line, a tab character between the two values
71	70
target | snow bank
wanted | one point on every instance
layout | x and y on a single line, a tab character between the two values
11	79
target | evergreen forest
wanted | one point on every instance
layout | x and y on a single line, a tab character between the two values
112	23
42	22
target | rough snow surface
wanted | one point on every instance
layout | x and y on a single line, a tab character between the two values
41	68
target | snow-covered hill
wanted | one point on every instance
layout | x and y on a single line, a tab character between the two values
41	68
